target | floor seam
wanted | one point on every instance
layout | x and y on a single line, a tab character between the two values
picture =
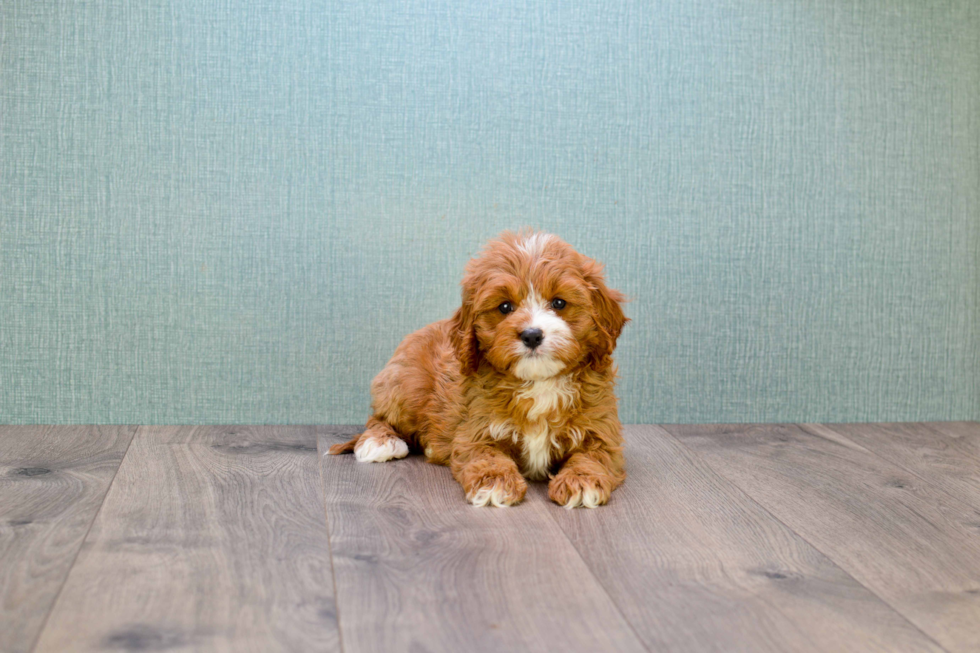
598	581
326	518
71	567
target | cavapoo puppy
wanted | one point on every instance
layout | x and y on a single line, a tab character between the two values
517	384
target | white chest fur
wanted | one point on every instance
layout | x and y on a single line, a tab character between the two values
539	446
547	397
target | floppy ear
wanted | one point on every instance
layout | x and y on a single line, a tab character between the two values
607	313
462	335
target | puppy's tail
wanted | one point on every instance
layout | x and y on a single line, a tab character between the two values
346	447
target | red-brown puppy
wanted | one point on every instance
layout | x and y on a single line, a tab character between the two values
517	384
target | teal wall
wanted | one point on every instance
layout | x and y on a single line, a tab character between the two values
233	211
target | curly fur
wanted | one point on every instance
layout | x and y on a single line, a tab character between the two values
467	393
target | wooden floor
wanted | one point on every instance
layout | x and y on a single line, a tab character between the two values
723	538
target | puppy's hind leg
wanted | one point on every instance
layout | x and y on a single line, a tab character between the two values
379	442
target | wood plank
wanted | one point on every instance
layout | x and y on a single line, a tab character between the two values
210	538
52	482
695	565
419	569
967	433
946	455
910	543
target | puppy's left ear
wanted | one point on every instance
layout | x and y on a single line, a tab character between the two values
607	312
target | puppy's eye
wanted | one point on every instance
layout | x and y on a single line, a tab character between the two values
506	308
558	303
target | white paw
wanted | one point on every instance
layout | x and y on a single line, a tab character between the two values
374	450
587	498
495	495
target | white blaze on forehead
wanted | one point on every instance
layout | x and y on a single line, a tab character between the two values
535	244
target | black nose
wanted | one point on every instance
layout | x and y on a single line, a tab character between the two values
532	337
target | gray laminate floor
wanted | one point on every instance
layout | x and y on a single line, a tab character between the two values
858	537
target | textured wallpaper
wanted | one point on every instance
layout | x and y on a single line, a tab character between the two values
219	212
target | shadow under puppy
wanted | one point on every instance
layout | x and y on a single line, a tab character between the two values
518	383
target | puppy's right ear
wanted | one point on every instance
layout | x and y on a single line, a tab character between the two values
462	335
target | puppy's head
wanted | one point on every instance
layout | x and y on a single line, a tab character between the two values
534	308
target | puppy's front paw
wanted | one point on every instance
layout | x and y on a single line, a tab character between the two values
499	489
573	490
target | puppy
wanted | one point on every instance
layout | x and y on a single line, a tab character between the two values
517	384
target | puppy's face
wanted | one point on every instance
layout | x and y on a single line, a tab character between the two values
534	308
